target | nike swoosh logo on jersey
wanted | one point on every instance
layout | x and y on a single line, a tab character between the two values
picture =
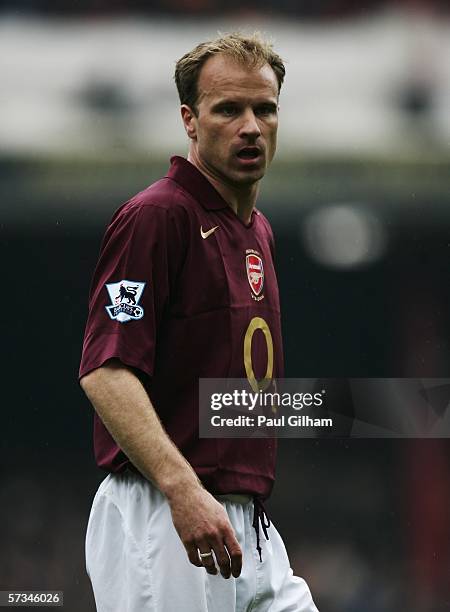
205	235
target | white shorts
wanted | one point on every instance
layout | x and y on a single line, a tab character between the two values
137	563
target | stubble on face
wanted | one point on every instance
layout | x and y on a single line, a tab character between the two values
237	110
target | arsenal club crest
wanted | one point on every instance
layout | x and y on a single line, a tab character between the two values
255	273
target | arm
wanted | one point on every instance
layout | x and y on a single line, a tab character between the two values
200	520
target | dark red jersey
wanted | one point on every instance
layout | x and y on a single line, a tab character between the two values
185	290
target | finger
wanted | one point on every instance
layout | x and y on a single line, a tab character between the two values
223	559
235	553
207	561
192	553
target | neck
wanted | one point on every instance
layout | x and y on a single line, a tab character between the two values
240	198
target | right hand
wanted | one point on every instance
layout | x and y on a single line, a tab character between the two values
203	526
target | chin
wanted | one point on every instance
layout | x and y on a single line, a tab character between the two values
248	175
248	178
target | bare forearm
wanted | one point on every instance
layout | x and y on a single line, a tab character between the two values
126	410
200	520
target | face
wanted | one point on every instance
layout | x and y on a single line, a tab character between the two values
233	136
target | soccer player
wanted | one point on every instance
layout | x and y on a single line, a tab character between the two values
185	288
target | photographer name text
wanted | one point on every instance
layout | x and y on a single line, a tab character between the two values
293	420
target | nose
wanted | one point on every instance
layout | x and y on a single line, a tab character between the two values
249	126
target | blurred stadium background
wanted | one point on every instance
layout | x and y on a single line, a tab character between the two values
359	198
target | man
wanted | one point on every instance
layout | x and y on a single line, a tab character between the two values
185	288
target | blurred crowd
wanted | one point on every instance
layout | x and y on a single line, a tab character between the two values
300	8
371	537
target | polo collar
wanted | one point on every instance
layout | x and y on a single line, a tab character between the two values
192	180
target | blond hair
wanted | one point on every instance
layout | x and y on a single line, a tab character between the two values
250	50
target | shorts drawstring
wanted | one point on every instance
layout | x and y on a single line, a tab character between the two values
260	516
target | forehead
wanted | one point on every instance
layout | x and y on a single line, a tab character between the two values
224	77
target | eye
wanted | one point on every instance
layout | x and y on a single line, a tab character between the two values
265	110
228	111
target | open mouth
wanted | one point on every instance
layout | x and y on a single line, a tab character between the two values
249	153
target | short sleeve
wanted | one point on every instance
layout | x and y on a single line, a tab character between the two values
139	259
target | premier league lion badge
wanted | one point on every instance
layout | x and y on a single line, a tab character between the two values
255	272
125	297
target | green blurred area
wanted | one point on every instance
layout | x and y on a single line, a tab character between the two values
42	186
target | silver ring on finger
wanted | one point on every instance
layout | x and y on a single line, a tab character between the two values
205	555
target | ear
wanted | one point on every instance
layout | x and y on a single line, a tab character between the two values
189	121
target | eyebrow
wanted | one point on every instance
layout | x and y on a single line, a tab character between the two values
234	102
